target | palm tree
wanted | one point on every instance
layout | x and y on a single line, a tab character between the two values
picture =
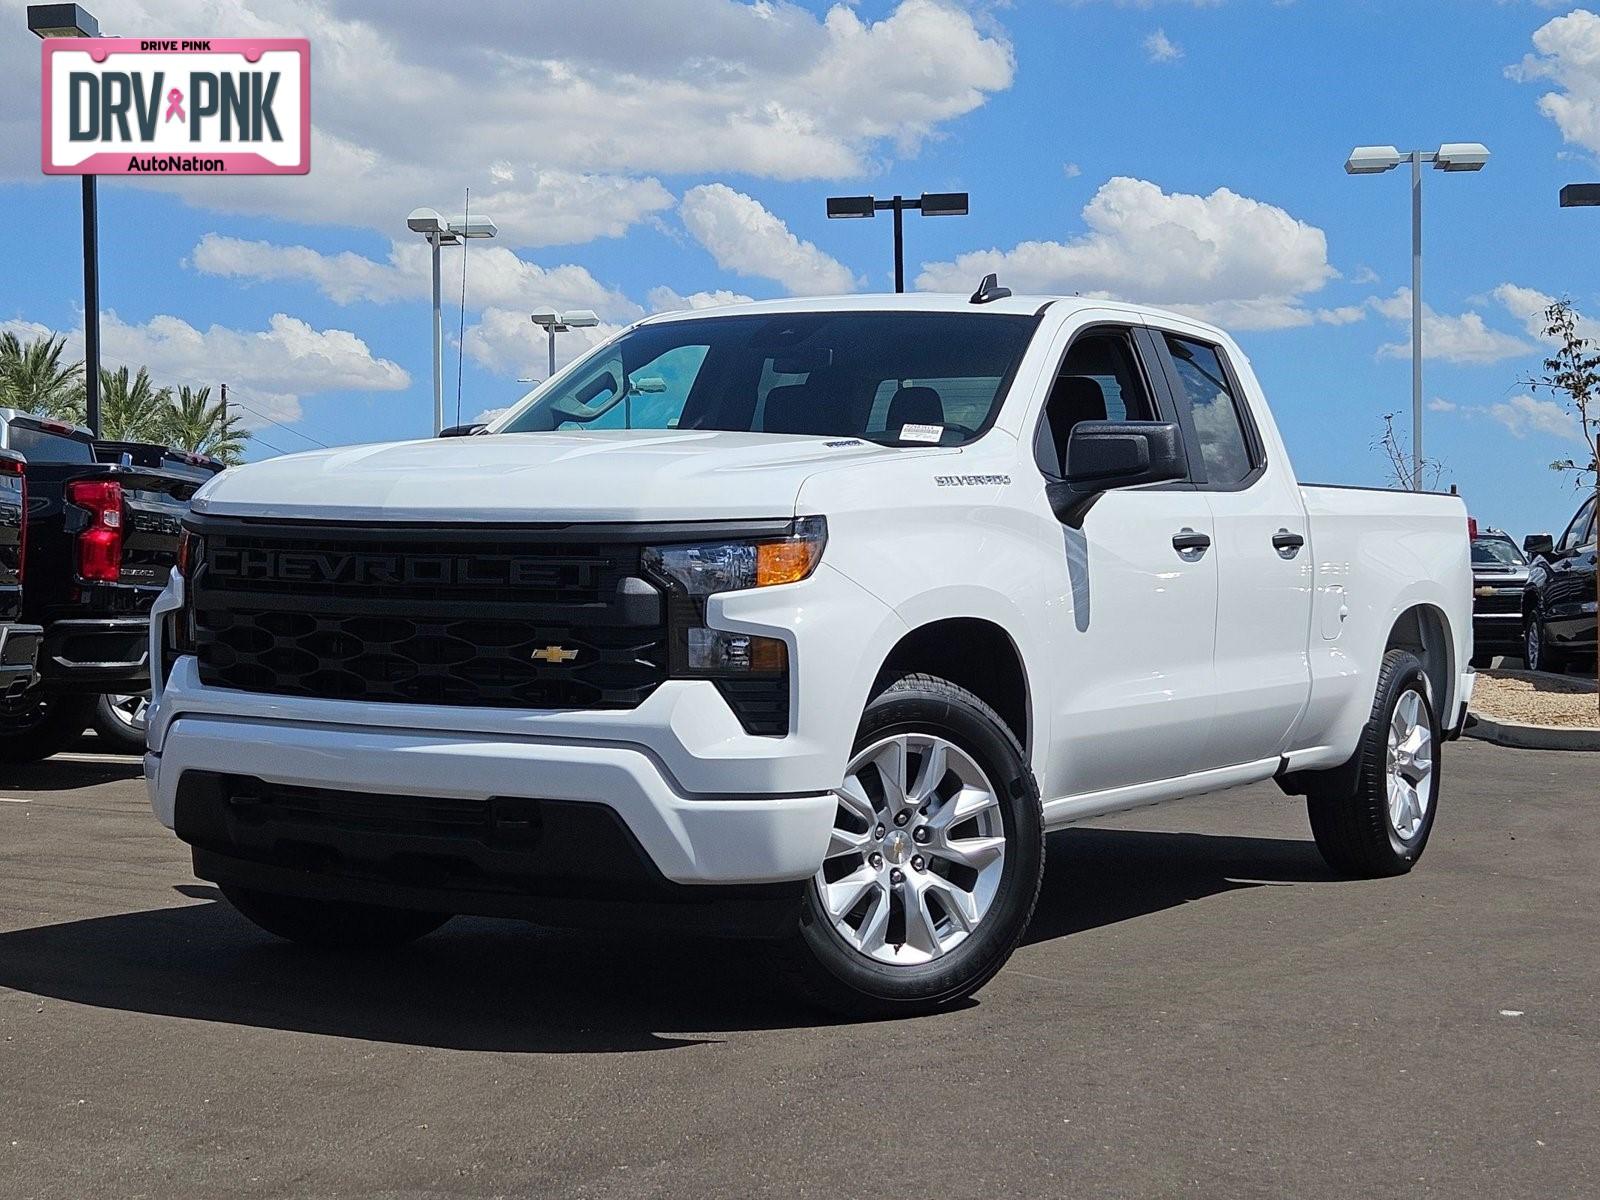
132	411
194	423
33	378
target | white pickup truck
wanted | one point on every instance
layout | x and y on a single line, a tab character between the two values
804	620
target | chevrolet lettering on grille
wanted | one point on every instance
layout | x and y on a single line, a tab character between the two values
312	566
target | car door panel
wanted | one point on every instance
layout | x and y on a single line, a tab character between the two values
1263	551
1135	614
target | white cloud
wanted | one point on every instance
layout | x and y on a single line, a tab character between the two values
1159	48
274	367
560	117
1226	257
664	299
495	276
1071	170
1529	305
1522	415
1440	405
1466	339
742	236
1567	53
1345	314
505	341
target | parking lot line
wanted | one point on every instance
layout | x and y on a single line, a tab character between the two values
13	800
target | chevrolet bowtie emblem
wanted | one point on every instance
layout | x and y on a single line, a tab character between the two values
555	654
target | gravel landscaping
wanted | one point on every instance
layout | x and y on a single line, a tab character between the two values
1536	698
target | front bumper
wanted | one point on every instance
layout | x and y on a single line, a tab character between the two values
690	840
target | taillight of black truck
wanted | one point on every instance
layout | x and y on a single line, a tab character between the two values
19	642
103	524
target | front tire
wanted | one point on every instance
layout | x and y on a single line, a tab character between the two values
935	861
332	924
35	725
1372	817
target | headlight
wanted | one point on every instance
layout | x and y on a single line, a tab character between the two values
706	568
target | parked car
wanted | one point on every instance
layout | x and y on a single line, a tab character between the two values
1558	608
803	620
19	643
1499	577
102	538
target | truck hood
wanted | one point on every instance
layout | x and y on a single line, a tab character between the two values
614	475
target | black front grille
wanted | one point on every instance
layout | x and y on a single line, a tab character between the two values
1500	602
466	616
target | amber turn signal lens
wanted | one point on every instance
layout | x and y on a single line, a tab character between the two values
785	562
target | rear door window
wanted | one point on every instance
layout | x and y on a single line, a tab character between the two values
1218	422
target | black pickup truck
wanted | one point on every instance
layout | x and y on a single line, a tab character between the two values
102	534
19	643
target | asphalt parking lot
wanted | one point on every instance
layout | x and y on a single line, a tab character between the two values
1200	1009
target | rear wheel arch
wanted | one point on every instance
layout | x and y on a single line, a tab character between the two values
973	653
1424	630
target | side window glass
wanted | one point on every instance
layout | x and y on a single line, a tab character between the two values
1215	408
1581	531
1099	380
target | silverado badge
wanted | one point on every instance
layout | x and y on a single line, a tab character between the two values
555	654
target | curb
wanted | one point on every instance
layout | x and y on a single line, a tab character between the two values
1531	737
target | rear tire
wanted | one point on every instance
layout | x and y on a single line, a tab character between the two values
1371	818
932	930
35	725
119	722
332	924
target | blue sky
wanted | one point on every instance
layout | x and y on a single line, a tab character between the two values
641	154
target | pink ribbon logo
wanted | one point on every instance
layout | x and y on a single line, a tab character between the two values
175	106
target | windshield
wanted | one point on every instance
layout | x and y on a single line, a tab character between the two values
1496	552
897	378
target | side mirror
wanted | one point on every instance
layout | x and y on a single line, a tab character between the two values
1538	545
1106	455
463	430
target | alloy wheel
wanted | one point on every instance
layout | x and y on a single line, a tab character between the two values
917	851
1409	764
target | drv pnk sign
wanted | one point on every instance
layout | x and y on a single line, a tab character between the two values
195	106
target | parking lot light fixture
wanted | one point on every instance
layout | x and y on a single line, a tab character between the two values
61	21
442	232
1375	160
929	204
553	322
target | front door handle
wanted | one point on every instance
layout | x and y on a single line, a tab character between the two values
1191	544
1287	544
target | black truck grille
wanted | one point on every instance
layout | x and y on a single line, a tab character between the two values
466	616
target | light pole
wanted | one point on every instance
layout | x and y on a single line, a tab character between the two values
553	323
929	204
441	232
60	21
1375	160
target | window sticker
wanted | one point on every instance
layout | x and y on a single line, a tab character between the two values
921	433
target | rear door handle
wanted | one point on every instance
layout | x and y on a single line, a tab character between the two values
1287	544
1189	543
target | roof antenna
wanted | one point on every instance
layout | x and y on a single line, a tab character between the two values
990	289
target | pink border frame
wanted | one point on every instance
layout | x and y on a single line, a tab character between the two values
114	162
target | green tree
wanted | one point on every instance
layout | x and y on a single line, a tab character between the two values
132	409
194	423
34	379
